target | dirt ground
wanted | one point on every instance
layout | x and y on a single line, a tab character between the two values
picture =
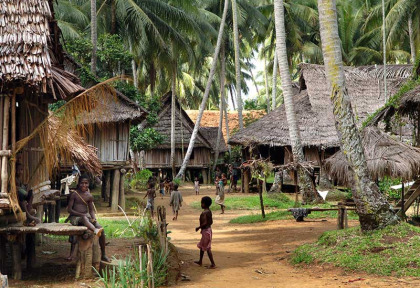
251	255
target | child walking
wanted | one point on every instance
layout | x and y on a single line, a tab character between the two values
220	198
206	220
197	186
162	188
176	201
151	195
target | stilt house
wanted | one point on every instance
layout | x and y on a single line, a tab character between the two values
202	156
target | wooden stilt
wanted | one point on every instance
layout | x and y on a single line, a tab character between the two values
121	198
205	177
150	267
1	125
342	222
30	251
39	214
84	257
3	253
17	263
4	172
57	210
107	186
247	180
141	265
115	190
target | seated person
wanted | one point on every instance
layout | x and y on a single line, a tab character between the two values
25	198
82	212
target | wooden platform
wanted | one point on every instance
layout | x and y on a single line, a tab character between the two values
44	228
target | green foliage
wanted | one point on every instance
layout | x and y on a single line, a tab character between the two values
177	181
385	187
56	105
144	139
390	251
80	49
139	179
254	104
112	55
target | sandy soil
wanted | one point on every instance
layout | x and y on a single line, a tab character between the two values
253	255
256	255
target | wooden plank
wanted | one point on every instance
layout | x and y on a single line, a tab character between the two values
115	190
44	228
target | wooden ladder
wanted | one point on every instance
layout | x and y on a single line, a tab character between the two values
409	197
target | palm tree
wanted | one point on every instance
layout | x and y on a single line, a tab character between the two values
372	207
274	90
93	35
281	51
206	93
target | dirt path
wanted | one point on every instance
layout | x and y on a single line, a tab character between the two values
256	255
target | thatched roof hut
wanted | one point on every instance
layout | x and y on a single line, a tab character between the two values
211	119
211	134
313	106
385	156
410	101
30	52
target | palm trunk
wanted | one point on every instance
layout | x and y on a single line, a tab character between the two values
224	102
237	63
206	93
221	104
93	35
231	97
253	80
173	121
113	17
274	90
373	208
309	195
133	67
267	92
411	36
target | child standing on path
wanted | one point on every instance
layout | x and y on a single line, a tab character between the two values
206	220
220	198
162	188
197	186
151	195
176	201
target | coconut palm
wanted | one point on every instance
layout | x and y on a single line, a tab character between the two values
372	207
295	141
93	35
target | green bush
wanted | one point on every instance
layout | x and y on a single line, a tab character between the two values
139	180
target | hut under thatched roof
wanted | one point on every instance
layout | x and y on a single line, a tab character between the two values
314	112
202	156
385	156
211	135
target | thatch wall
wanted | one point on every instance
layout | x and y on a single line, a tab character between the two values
211	119
385	156
161	158
314	109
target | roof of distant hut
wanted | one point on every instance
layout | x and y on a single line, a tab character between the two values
73	148
211	119
30	52
385	156
211	134
182	136
410	101
314	109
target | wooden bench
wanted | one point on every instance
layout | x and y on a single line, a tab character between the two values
15	234
342	221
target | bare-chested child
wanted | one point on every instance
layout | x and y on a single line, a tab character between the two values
25	198
206	220
82	212
151	195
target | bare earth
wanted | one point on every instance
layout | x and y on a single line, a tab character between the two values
257	255
253	255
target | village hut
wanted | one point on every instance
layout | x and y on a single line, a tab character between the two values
159	157
385	156
269	136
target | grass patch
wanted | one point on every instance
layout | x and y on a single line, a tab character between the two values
392	251
279	201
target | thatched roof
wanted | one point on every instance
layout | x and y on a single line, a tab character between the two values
211	134
72	148
385	157
30	52
183	126
211	119
410	101
314	109
116	108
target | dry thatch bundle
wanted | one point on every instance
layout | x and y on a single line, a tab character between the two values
385	156
71	147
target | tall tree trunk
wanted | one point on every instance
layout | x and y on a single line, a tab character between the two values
206	93
173	111
93	35
267	92
372	207
384	48
133	67
231	97
237	63
411	36
309	195
221	104
113	17
274	90
253	79
224	100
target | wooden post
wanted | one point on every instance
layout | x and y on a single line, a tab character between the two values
57	210
17	261
30	251
402	201
51	212
115	191
247	180
242	180
121	198
205	177
295	178
261	196
150	267
107	184
84	257
141	266
39	215
1	125
3	253
342	222
4	172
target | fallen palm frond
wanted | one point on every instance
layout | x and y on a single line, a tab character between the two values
385	156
